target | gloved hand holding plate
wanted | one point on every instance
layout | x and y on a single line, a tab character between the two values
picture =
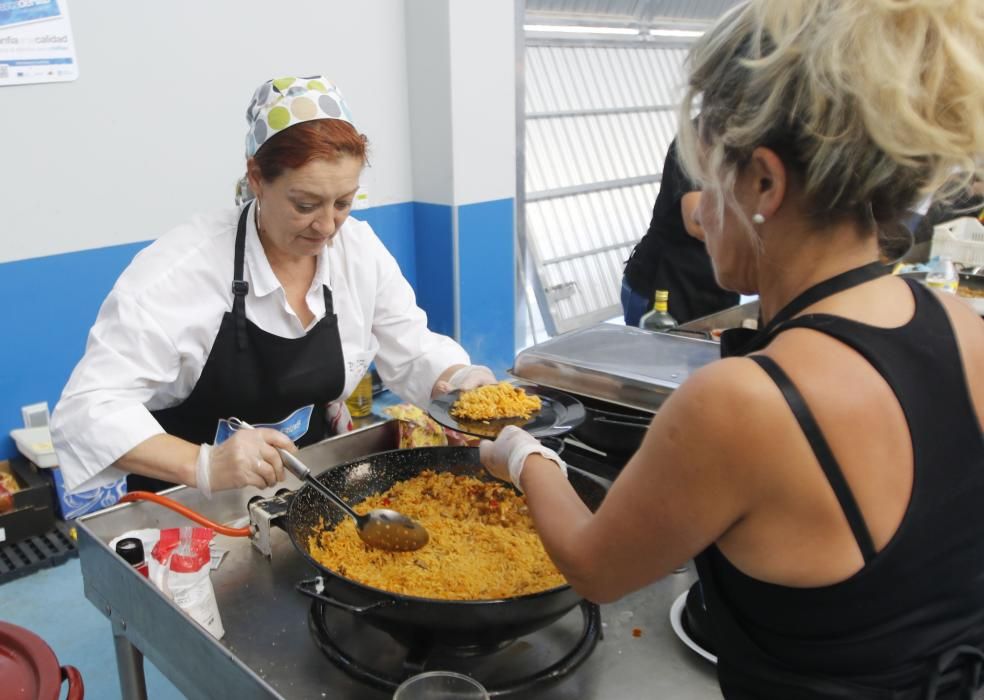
483	412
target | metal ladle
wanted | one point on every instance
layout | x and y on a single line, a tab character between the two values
380	528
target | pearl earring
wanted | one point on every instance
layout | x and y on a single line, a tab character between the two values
758	219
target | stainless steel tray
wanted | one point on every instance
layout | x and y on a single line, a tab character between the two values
617	364
728	318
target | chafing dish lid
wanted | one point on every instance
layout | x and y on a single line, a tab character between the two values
619	364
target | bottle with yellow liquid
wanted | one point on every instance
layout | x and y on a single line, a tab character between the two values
943	275
360	401
659	318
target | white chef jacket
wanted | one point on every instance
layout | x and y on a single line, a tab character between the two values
155	331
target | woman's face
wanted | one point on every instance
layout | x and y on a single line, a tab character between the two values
730	244
302	209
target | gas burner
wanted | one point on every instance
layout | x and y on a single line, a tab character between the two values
392	662
264	514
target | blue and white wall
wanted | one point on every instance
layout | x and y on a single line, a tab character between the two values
461	68
152	132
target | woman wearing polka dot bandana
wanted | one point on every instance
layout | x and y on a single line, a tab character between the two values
271	312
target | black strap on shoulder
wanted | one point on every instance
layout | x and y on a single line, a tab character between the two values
741	342
240	287
829	287
822	452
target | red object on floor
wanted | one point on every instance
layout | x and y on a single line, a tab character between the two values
29	668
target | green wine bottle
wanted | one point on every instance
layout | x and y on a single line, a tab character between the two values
659	318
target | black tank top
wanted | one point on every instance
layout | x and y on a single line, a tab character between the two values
918	602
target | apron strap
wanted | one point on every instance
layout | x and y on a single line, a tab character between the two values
240	287
823	453
329	301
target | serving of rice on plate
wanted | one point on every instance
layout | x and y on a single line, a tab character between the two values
494	401
482	543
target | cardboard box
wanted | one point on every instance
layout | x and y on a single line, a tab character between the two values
74	505
33	512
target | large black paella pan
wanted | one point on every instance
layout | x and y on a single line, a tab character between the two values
422	621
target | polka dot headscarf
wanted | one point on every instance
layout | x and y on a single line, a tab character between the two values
280	103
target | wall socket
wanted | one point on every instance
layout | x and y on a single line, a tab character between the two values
35	415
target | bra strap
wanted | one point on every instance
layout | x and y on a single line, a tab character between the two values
822	452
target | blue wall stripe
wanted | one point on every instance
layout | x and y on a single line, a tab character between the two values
394	224
435	265
487	269
48	306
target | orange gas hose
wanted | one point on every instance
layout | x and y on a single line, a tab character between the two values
187	512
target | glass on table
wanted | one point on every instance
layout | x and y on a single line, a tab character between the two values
440	685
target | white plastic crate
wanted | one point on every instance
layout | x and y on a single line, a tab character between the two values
35	444
962	240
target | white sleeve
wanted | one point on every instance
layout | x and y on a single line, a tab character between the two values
102	412
410	356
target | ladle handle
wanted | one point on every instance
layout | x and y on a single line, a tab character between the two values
301	471
294	465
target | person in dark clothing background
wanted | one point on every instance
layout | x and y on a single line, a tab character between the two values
672	256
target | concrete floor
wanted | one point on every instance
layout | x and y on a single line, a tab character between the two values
50	603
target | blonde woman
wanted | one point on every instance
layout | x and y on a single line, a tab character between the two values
837	524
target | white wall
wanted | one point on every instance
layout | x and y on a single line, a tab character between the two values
152	131
429	75
462	81
483	99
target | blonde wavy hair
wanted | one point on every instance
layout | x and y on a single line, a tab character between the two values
871	104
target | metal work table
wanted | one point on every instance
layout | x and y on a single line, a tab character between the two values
267	650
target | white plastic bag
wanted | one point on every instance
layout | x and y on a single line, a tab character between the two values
180	566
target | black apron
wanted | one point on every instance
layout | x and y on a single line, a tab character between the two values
262	378
744	656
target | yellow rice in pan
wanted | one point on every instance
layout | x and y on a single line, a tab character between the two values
482	543
502	400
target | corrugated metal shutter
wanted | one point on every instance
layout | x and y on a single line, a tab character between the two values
598	122
598	116
645	11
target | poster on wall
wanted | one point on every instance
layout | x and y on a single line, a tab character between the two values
36	43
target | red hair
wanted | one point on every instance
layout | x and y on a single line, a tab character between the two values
327	139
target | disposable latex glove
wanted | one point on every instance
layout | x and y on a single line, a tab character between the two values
505	458
247	458
464	378
339	418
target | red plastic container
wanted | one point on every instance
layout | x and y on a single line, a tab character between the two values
29	668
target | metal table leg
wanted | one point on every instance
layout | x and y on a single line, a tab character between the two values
129	664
